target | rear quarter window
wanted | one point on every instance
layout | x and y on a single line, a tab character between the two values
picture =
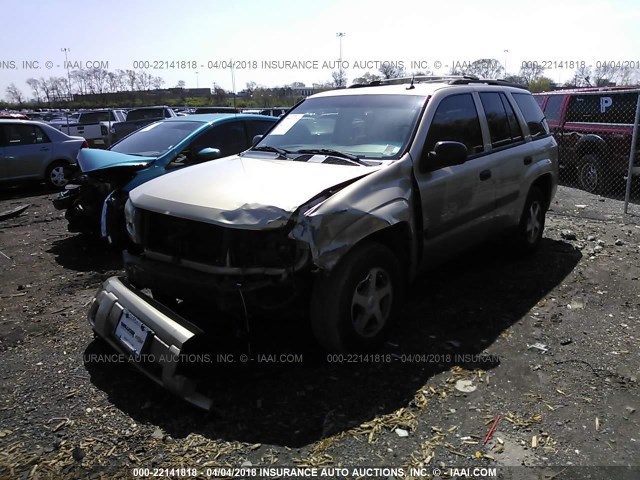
532	114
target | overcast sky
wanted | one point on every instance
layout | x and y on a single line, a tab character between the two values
122	32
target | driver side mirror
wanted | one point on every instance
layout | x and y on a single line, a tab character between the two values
256	139
444	154
207	154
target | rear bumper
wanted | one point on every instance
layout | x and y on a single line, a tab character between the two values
168	342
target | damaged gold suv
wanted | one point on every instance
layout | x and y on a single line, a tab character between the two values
341	203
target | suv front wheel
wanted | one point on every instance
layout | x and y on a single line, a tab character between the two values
354	305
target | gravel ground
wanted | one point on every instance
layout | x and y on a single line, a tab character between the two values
473	324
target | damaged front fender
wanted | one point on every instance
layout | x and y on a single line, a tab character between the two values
368	206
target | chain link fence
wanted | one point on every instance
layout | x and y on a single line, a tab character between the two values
596	130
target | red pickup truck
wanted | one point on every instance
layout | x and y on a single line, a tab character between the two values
593	128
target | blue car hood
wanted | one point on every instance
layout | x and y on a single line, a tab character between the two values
91	159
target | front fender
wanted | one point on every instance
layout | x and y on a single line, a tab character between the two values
364	208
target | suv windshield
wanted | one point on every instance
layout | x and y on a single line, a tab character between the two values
367	126
155	139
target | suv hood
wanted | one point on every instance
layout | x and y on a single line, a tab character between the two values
90	159
242	192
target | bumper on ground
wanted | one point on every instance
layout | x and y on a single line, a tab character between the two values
168	336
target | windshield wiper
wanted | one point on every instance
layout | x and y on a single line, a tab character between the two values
334	153
268	148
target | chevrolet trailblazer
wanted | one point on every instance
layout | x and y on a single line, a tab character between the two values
341	204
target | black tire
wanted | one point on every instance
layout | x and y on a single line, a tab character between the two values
54	175
592	175
343	323
531	227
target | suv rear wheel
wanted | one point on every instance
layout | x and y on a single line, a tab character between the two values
531	226
354	305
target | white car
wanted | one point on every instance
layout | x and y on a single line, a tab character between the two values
31	150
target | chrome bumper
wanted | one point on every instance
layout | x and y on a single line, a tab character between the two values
170	334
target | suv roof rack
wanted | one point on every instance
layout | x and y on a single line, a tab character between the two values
450	79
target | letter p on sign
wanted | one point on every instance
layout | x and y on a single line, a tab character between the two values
605	102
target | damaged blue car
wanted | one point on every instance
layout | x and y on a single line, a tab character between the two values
100	181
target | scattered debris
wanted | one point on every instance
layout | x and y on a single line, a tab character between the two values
465	386
13	213
566	341
401	432
489	434
539	346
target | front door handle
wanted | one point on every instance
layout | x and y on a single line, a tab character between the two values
485	175
528	160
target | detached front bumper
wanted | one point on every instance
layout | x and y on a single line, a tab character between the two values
157	340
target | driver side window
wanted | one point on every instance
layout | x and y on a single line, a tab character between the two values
229	138
456	119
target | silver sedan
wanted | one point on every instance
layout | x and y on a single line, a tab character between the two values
31	150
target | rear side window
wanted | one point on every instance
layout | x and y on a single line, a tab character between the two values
552	110
532	114
503	126
96	117
145	114
456	119
20	134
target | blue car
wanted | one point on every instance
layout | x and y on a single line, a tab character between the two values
101	180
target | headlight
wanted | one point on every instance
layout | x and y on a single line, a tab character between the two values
131	219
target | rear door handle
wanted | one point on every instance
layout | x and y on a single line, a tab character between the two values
485	175
528	160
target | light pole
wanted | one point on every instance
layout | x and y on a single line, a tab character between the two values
66	65
340	35
197	81
505	61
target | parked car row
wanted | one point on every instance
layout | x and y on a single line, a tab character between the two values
331	212
32	150
103	127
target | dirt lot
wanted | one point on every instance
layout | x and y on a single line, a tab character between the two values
66	412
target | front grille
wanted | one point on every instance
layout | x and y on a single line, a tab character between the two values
214	245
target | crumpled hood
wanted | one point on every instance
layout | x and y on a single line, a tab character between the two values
242	192
90	159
